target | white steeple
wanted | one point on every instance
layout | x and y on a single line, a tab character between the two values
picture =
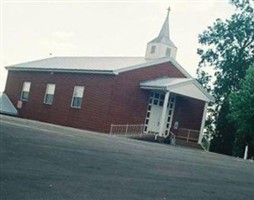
161	46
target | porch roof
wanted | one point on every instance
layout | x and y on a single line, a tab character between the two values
183	86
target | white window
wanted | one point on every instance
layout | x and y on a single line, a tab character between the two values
153	49
25	91
49	95
168	52
77	96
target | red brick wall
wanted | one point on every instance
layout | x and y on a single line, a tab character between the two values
189	113
108	99
130	102
95	104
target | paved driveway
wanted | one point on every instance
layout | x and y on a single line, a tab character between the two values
40	161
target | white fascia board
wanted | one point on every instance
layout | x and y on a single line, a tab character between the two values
210	97
161	88
190	88
177	88
191	91
61	70
186	82
155	62
180	68
143	65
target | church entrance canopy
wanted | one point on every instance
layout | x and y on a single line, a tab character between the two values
182	86
163	99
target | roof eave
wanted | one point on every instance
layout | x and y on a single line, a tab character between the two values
180	68
194	81
210	97
109	72
139	66
146	87
175	85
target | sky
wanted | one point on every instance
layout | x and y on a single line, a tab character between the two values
32	30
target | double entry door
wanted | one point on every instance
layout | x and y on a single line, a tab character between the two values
154	112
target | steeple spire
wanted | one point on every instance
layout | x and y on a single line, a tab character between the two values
165	28
162	46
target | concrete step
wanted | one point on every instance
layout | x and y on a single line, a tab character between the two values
144	137
179	142
188	144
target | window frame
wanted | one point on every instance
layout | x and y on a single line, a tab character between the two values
73	97
46	94
23	90
153	49
168	52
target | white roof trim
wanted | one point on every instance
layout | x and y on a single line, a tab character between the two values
178	85
180	68
60	70
155	62
150	63
175	88
210	97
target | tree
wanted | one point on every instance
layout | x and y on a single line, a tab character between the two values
227	48
242	114
223	140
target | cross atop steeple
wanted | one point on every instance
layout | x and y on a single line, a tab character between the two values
169	9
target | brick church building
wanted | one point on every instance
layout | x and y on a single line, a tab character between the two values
94	93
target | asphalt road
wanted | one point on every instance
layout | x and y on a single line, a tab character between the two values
50	163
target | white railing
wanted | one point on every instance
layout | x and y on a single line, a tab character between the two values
172	138
127	129
205	143
189	135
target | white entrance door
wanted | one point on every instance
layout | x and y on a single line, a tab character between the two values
154	121
154	111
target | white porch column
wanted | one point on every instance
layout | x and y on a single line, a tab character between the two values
163	114
203	123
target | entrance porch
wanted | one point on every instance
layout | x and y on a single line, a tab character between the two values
176	109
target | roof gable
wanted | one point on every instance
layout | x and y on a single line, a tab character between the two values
183	86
